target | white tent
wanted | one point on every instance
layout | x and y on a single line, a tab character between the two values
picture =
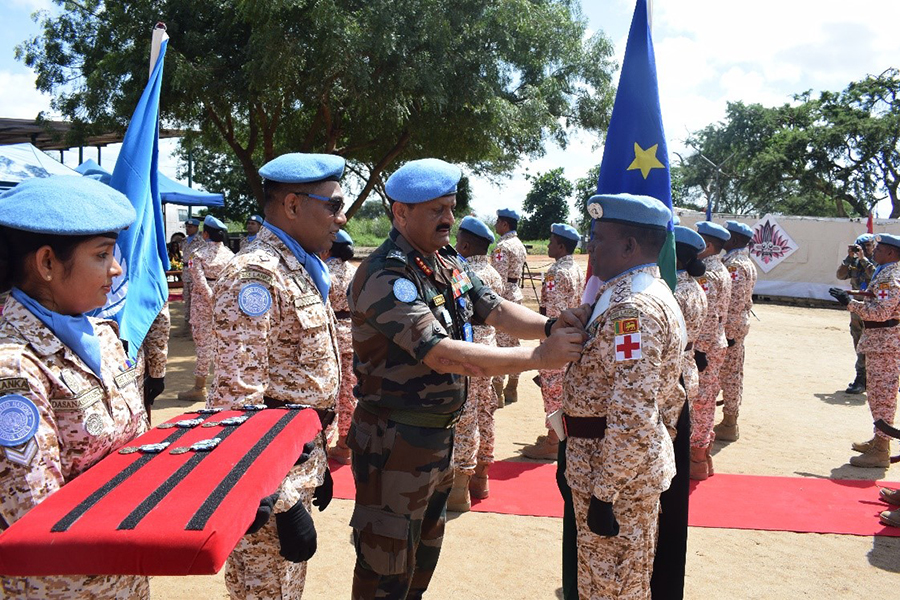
19	162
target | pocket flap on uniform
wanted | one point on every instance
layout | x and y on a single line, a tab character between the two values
382	523
311	315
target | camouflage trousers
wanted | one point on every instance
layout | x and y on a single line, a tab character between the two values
403	478
882	378
731	377
473	441
256	571
346	401
690	374
204	340
703	415
856	329
186	296
620	567
551	389
76	587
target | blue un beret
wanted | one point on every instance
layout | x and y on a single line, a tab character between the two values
343	237
303	168
629	209
713	230
890	240
683	235
865	238
63	205
508	213
192	221
739	228
257	219
566	231
676	220
213	223
422	180
476	227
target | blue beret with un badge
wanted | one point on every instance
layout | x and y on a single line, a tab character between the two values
865	238
890	240
65	205
676	220
477	228
739	228
689	237
422	180
342	237
566	231
256	219
298	167
508	213
214	223
630	209
713	230
192	221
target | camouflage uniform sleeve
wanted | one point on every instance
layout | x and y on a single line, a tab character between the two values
409	324
198	277
24	486
709	328
156	344
632	418
883	306
500	261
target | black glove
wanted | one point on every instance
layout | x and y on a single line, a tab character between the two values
296	533
263	512
325	492
308	447
730	342
600	518
840	295
700	359
153	387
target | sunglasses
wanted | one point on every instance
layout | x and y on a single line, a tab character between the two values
335	205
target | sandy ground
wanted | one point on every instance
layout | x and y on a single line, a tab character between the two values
795	421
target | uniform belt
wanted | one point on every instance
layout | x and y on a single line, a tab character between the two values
342	314
878	324
326	415
211	280
414	418
511	280
585	427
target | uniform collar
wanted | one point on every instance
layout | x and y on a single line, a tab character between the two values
38	335
650	268
508	234
478	259
712	260
566	260
265	236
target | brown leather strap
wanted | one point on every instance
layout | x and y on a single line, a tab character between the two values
585	427
511	280
342	314
879	324
326	415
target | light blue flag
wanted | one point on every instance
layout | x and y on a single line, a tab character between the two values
636	158
139	293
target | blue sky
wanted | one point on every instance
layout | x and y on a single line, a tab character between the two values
708	52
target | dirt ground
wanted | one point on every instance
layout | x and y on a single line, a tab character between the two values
795	421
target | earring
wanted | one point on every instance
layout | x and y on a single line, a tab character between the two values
48	278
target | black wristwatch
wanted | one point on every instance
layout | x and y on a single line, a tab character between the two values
548	326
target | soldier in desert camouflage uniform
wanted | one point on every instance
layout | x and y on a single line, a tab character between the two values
473	442
743	279
880	342
413	303
276	344
562	287
204	266
342	272
153	356
253	225
508	259
858	267
69	396
619	455
709	349
189	245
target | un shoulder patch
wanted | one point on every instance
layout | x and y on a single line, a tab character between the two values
254	299
19	420
405	290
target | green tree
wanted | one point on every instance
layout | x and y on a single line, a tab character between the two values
547	203
479	83
584	189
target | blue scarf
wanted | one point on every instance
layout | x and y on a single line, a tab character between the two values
250	238
189	239
77	333
312	263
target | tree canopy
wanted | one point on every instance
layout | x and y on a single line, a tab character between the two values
837	154
547	203
483	83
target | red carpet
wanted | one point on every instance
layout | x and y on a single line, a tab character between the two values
799	504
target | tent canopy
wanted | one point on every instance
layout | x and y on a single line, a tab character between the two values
19	162
169	190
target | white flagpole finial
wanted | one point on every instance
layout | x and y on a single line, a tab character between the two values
159	35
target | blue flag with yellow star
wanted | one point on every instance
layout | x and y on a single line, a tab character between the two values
635	157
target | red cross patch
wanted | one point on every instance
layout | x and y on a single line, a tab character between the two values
628	346
551	285
498	255
882	294
704	283
734	273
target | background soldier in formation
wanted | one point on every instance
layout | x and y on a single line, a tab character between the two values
737	326
413	303
508	259
154	354
858	267
253	224
276	344
189	245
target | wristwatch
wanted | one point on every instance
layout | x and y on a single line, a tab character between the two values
549	325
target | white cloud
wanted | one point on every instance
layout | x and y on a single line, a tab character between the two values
18	97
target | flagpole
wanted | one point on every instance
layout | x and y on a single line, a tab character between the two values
159	34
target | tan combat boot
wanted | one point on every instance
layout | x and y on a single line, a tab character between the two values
511	394
340	452
497	382
699	466
877	456
727	430
459	500
709	466
545	448
478	484
196	393
863	446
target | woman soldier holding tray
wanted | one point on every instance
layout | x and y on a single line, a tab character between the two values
69	395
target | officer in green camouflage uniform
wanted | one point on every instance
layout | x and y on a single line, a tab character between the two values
412	304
